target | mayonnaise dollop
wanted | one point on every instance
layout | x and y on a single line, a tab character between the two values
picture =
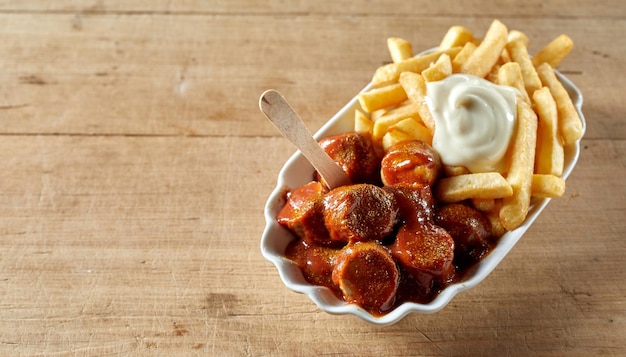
474	121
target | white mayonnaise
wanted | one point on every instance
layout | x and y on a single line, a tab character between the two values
474	121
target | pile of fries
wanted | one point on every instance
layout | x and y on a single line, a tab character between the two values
395	110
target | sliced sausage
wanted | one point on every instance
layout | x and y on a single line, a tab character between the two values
303	213
360	212
367	275
410	162
415	202
425	251
356	154
469	228
316	261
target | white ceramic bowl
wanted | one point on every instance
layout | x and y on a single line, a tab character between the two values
298	171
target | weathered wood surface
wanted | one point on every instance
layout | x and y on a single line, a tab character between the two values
136	165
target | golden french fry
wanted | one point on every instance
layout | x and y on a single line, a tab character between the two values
390	73
462	56
515	207
383	123
492	76
549	157
414	85
519	54
510	74
399	49
382	97
414	129
438	70
406	108
497	229
362	124
554	52
450	170
378	113
484	204
393	137
570	124
547	186
505	57
488	52
455	37
484	185
515	35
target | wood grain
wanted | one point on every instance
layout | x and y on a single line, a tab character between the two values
135	167
107	74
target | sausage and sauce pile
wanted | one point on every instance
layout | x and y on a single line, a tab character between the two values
384	239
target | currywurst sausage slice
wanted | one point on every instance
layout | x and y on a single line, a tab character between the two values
411	162
303	213
356	154
416	203
367	275
360	212
426	251
469	228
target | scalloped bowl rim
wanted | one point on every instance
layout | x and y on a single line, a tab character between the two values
297	171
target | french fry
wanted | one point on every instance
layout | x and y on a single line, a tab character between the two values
399	49
488	52
497	229
393	137
383	123
362	124
484	185
455	37
414	85
510	74
484	204
438	70
462	56
570	124
492	76
406	108
414	129
515	35
450	170
554	52
547	186
378	113
505	57
382	97
519	54
390	73
546	117
549	157
515	207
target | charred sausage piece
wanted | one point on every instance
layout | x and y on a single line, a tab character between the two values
367	275
360	212
415	202
426	251
356	155
316	261
410	162
469	228
303	213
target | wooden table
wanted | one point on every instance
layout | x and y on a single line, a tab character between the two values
136	164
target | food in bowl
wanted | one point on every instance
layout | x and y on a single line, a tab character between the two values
415	227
